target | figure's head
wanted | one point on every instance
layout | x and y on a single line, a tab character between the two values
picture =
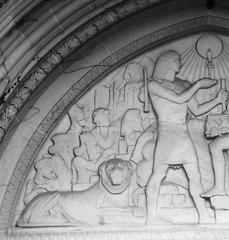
79	116
101	117
115	175
167	65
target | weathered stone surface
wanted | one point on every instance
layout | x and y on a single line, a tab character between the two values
122	117
140	116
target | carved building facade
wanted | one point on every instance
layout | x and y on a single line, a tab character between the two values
114	120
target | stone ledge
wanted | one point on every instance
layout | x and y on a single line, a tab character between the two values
175	232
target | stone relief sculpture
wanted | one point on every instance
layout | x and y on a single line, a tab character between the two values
217	148
217	128
63	143
83	207
131	128
52	174
174	144
53	171
138	154
96	146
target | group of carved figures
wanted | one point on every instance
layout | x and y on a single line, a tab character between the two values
113	165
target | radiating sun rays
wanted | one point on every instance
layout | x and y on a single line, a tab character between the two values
207	58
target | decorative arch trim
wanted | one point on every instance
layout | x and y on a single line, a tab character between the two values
56	56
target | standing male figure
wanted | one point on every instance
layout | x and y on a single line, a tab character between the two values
171	99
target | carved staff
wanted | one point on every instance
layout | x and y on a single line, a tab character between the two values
223	87
146	94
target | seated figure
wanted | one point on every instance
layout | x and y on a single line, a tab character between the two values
96	146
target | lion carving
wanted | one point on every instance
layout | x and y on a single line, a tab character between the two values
80	207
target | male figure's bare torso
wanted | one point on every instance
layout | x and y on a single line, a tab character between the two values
166	110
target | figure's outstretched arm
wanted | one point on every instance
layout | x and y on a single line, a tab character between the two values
199	109
155	88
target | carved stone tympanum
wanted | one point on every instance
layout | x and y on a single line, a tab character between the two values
146	146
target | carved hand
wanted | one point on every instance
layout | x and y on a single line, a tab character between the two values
222	96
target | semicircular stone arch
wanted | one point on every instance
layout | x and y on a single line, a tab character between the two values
73	94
